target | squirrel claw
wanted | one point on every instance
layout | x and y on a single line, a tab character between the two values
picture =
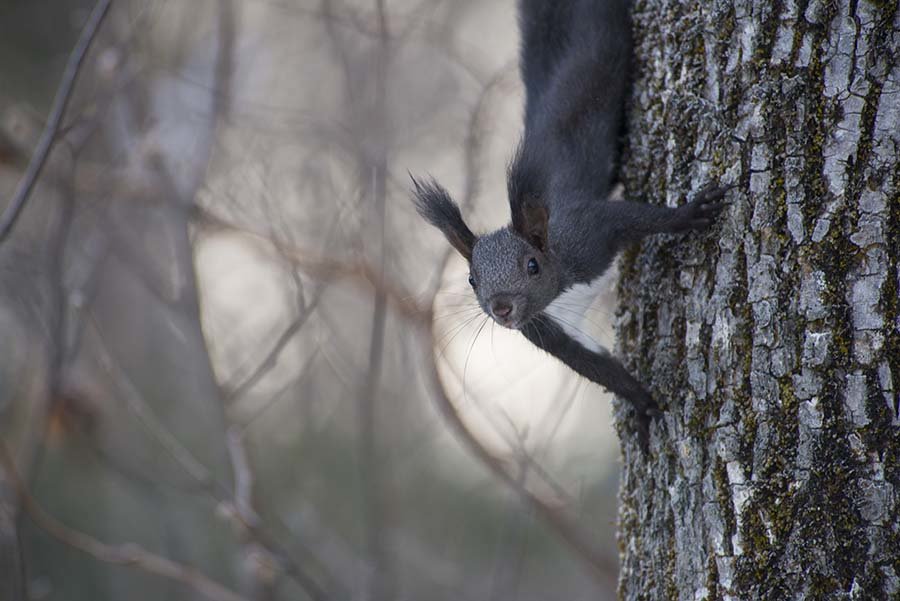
645	413
712	193
653	412
643	433
702	211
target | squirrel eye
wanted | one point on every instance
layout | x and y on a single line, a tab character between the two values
471	281
533	267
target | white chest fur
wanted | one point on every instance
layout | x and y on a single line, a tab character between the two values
570	308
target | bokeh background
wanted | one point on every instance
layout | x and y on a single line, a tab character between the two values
228	342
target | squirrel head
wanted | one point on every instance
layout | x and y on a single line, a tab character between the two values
512	270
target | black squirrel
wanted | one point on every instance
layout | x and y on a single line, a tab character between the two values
575	59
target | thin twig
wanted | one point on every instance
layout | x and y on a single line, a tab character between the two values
327	269
243	475
271	358
129	554
57	111
259	568
246	422
417	315
565	527
198	472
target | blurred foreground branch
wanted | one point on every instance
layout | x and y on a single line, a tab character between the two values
566	527
421	314
128	554
57	111
249	521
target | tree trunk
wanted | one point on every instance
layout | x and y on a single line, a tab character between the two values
773	339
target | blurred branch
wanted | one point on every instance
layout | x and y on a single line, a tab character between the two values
357	21
198	472
513	437
340	50
80	296
135	402
60	346
359	271
564	526
375	503
71	293
129	554
271	358
475	132
366	23
225	61
259	562
400	299
57	111
416	16
243	475
305	370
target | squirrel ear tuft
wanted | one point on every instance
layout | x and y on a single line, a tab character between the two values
525	184
530	220
434	204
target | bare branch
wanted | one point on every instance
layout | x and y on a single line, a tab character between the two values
564	526
198	472
225	62
359	271
271	358
381	585
400	300
243	475
129	554
259	559
304	371
57	111
135	402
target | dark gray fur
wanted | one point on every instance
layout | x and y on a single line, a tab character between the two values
575	60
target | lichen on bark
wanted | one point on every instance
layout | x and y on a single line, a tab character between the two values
774	339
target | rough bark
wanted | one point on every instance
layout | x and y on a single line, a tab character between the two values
774	340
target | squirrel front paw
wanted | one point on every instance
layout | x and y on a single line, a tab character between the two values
642	427
702	211
646	410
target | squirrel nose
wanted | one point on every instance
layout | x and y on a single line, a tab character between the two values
501	308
